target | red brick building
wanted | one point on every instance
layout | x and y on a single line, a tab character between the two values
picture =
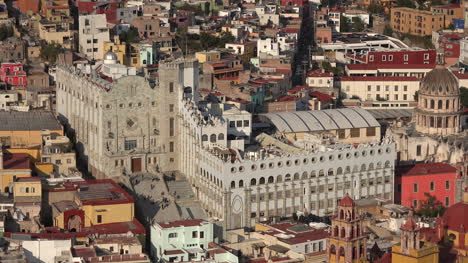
413	182
13	74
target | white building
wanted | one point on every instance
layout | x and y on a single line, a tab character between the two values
364	16
267	47
398	91
93	32
464	51
187	240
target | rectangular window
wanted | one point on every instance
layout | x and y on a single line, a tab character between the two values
418	150
432	186
415	203
171	107
405	57
232	124
405	97
369	88
447	185
370	132
447	201
396	88
246	123
390	57
99	219
239	123
415	187
171	127
171	87
378	88
194	234
130	144
405	88
355	132
387	88
426	56
396	96
202	234
371	58
171	147
384	57
321	246
58	161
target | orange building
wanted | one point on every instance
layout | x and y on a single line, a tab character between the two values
450	12
415	22
12	166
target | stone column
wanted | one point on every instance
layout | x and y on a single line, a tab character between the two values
308	196
258	201
284	199
301	196
275	198
227	211
247	206
293	196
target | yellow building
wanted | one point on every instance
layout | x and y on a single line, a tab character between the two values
13	166
411	249
117	47
208	56
415	22
347	241
90	204
24	129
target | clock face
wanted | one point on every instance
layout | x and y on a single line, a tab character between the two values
237	204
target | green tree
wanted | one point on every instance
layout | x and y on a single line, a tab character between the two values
6	31
375	8
431	207
405	3
388	31
464	96
129	36
50	52
344	24
358	24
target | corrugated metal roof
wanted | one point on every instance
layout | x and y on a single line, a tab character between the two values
28	121
381	114
324	120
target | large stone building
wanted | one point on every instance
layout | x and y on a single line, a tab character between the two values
129	125
123	123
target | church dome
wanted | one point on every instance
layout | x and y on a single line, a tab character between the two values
439	82
110	58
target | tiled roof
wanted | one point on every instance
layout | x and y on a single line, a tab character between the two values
379	78
12	161
426	168
388	66
28	121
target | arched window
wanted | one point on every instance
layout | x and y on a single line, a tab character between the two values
279	179
253	182
432	104
213	138
233	184
271	179
287	177
330	172
342	252
371	166
27	189
321	173
204	138
387	164
241	183
363	167
332	249
221	137
335	231
304	175
296	177
341	214
439	104
262	180
347	169
431	122
339	170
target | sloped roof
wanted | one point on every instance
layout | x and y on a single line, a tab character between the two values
323	120
28	121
